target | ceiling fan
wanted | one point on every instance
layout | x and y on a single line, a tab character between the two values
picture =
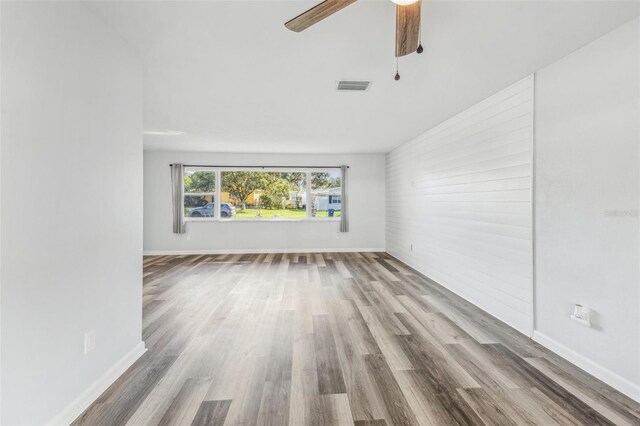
407	22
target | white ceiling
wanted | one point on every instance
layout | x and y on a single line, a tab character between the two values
232	78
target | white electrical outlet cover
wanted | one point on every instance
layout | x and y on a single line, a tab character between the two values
89	341
584	319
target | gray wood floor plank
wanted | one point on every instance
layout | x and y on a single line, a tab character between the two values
376	422
274	409
447	406
281	355
394	400
211	413
330	378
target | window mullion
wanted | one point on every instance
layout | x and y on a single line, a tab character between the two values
217	203
308	197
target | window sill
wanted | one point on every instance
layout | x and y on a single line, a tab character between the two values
206	220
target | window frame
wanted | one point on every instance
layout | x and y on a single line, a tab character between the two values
214	193
218	193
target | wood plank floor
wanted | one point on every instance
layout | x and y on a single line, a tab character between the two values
336	339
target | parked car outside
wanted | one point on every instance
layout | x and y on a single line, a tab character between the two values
226	210
195	201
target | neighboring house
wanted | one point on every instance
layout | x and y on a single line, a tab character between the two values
324	199
252	199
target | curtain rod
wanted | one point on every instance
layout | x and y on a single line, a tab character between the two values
263	167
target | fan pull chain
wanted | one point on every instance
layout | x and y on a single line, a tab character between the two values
397	77
420	49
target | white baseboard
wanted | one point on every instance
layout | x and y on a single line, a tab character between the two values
617	382
258	251
84	400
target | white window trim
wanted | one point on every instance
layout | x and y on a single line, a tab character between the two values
269	220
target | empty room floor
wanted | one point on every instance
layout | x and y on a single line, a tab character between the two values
336	338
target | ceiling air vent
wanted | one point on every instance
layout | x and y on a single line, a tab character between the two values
353	85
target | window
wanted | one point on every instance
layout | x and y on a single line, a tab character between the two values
261	194
326	192
199	193
264	195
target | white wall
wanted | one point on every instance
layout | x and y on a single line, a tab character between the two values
366	208
587	167
459	204
71	201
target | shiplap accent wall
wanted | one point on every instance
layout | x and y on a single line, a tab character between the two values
459	204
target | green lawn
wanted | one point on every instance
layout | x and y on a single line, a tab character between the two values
324	213
281	213
284	213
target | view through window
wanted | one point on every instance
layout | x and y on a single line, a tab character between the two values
325	191
262	194
199	193
259	194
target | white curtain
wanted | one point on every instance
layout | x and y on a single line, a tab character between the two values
177	198
344	213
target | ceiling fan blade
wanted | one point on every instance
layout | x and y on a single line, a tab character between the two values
407	28
316	14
